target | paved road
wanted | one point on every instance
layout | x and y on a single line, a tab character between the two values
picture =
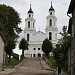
32	66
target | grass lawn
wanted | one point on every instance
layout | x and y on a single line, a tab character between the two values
52	62
13	63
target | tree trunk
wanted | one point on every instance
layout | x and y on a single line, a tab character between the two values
22	53
9	59
46	55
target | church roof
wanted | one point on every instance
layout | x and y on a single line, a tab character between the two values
39	32
30	10
71	6
70	26
51	8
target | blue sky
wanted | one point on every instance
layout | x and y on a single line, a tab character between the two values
40	8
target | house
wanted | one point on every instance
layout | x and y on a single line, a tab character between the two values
2	43
71	31
35	39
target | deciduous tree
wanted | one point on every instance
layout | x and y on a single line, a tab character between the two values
23	45
9	21
47	47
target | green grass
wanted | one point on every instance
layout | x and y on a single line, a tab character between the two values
13	62
52	62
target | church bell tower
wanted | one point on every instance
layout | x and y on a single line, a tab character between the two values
29	25
51	28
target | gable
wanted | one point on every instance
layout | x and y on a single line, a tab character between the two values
39	32
39	36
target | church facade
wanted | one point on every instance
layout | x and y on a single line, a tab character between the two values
35	39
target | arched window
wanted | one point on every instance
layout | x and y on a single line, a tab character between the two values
50	36
50	22
28	24
27	37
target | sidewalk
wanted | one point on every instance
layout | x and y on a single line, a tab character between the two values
7	71
10	70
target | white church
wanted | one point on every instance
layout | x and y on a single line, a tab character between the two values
35	39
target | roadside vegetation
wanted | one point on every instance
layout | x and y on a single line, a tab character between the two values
52	62
14	60
12	64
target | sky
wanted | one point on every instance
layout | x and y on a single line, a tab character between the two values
40	9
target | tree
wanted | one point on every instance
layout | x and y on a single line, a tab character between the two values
47	47
57	53
9	21
61	51
23	45
8	48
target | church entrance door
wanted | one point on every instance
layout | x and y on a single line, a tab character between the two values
39	55
33	55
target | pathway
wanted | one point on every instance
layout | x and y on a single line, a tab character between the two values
33	66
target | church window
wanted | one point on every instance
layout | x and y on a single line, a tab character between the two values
28	24
50	13
38	48
50	36
27	37
50	22
34	48
29	15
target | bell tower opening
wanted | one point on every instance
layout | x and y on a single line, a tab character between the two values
28	24
50	22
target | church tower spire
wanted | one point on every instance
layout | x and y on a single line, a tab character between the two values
51	8
51	3
30	10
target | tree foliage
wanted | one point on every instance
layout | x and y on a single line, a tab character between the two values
9	47
47	46
61	51
9	20
23	45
